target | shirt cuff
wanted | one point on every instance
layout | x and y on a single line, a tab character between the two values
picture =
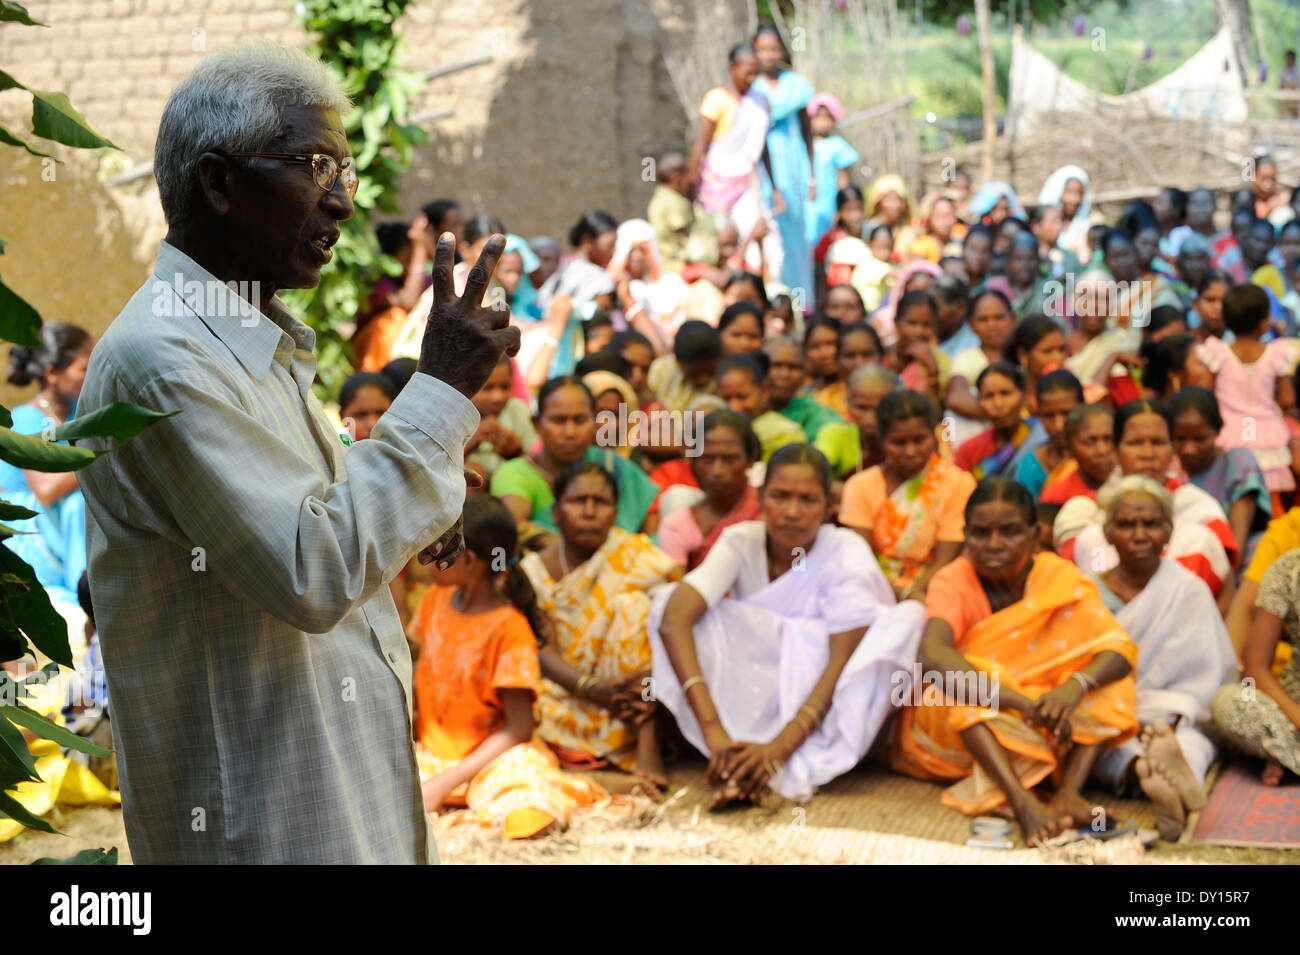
439	410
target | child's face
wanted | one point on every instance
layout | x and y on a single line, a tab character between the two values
992	321
700	373
1052	410
942	218
492	397
1209	305
742	394
917	324
842	303
364	411
1048	229
891	208
742	337
951	315
1194	442
907	446
882	245
510	272
1192	266
460	573
823	122
1022	264
639	356
1146	244
1049	351
1200	210
852	215
728	242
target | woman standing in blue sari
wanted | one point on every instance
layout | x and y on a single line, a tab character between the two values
790	146
56	550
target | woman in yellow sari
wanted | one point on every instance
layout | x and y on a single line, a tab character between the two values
594	584
1052	664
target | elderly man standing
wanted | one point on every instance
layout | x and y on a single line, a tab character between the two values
239	552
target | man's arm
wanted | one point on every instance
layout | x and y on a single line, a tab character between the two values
274	532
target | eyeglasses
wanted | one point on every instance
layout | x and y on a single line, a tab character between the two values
325	170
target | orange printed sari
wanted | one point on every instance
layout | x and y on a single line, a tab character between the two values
1032	646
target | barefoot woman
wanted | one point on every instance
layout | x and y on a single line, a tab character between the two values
593	583
1062	665
1184	655
782	684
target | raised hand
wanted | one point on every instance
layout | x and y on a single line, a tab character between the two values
464	340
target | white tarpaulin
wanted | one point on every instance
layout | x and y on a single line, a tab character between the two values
1201	89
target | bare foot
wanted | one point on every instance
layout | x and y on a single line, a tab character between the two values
1272	774
1073	805
1164	750
1160	789
1037	823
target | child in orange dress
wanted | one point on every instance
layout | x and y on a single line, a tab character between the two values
476	679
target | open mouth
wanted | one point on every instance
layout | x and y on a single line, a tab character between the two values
324	244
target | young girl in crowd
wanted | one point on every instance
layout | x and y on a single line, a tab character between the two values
476	679
832	159
997	451
1233	477
1246	378
1206	316
821	339
1090	442
992	321
505	427
740	329
363	399
847	260
921	366
909	508
858	345
1038	346
728	450
742	384
1059	393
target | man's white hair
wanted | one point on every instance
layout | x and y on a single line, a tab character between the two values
233	102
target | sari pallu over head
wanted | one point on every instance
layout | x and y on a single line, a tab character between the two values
1032	646
762	653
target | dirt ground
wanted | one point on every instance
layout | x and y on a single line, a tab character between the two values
867	816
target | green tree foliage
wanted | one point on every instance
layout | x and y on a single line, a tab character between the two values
27	618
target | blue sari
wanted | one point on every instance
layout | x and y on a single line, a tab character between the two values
57	549
790	167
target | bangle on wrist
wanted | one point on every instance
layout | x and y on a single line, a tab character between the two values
686	687
585	683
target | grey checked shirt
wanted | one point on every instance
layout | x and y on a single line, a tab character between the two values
239	557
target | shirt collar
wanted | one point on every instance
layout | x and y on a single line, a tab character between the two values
254	337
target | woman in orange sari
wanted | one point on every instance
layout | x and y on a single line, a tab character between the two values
1053	665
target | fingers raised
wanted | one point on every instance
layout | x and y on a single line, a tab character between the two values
482	271
444	258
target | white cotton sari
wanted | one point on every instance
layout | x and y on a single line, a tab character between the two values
764	645
1184	656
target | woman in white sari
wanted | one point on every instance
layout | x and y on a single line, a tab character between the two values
1184	655
784	652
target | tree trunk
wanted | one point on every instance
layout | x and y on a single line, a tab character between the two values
983	21
1235	15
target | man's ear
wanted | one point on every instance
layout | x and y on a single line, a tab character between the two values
214	173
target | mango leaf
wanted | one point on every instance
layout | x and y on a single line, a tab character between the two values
12	646
119	420
47	729
9	138
6	419
18	320
13	748
12	512
84	857
26	606
11	807
53	117
13	13
34	453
